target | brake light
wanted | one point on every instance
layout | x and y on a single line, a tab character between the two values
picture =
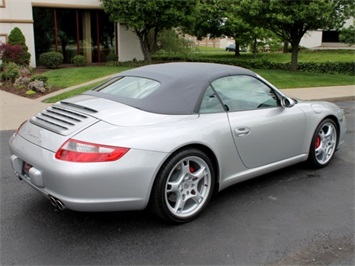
85	152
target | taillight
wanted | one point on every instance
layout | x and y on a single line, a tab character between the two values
85	152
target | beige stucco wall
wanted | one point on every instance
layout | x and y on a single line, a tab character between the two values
312	39
128	45
18	13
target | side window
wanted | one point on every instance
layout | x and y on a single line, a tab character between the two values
241	93
210	102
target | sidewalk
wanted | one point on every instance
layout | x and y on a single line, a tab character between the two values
15	109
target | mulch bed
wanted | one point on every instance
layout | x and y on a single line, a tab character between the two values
39	70
22	92
8	87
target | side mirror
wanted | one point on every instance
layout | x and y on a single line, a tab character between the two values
287	102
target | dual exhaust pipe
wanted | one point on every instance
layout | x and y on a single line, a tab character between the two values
57	203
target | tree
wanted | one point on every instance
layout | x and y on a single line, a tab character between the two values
347	35
291	19
242	32
215	18
17	38
148	18
208	19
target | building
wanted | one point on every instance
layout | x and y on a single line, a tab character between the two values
68	26
325	39
317	39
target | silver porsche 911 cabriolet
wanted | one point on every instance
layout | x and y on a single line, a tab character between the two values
169	136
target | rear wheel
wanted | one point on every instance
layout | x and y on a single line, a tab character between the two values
183	186
324	144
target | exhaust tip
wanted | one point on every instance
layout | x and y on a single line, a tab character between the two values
60	205
57	203
53	201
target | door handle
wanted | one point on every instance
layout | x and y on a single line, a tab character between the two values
242	131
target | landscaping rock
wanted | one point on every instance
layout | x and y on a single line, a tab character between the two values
22	81
37	86
25	72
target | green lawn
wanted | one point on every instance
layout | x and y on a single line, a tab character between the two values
67	77
303	56
280	78
288	79
71	93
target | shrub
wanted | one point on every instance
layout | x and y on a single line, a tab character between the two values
51	59
79	60
17	38
13	53
30	92
10	72
111	57
171	43
347	35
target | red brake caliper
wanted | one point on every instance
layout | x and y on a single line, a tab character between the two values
192	169
318	140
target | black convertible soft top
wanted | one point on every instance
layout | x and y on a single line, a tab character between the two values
182	85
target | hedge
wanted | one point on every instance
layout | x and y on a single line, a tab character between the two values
342	68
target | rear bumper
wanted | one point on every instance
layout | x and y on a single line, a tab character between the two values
110	186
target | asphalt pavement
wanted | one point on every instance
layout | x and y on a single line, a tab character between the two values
294	216
16	109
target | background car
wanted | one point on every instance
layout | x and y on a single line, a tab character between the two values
168	136
230	47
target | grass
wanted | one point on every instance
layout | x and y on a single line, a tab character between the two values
288	79
67	77
303	56
71	93
280	78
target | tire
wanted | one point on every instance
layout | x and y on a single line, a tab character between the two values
324	143
183	187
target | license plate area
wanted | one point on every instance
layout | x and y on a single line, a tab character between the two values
26	169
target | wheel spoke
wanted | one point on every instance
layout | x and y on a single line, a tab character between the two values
199	174
173	186
179	204
329	133
198	198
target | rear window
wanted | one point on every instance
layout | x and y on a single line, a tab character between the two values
130	87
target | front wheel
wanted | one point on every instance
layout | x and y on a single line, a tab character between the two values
324	144
183	187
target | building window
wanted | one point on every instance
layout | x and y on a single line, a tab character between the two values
330	36
73	32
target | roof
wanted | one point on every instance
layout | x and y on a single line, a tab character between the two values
182	85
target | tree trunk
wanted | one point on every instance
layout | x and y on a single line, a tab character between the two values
236	53
294	57
144	42
255	49
285	47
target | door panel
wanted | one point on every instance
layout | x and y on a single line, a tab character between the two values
265	136
264	132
